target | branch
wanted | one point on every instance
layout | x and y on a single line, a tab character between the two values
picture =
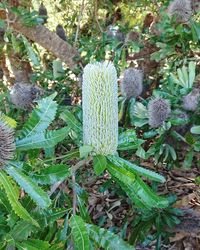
48	40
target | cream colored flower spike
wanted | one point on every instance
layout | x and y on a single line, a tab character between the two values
100	107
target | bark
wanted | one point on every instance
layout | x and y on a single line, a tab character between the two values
48	40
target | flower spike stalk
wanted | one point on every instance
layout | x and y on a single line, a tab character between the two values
100	107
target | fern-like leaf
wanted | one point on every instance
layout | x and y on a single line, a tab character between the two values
106	240
34	191
42	140
13	199
79	233
41	117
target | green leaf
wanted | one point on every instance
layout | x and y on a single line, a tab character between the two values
136	189
181	79
34	191
128	140
33	244
13	199
141	153
192	67
22	230
79	233
42	140
195	130
100	164
106	240
71	120
31	53
117	161
85	150
41	117
52	174
188	160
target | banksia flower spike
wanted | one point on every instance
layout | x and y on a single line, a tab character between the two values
190	101
182	9
158	110
100	107
23	95
7	146
131	85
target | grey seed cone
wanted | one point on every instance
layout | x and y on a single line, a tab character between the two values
158	111
182	9
190	101
61	32
22	95
132	83
7	145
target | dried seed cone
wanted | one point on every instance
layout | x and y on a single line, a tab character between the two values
181	9
100	107
190	101
158	110
23	95
43	12
7	145
131	85
61	32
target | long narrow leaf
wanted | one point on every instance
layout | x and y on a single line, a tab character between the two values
135	169
34	191
79	233
41	116
107	240
13	199
42	140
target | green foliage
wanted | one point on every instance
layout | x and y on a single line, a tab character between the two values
34	191
12	195
106	239
79	233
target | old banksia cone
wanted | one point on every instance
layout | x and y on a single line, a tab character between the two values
181	9
61	32
23	95
100	107
131	85
190	101
43	12
158	111
7	146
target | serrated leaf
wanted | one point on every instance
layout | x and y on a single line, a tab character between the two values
34	244
41	117
79	233
128	140
185	76
136	189
135	169
34	191
71	120
13	199
31	53
22	230
42	140
52	174
181	78
106	240
100	164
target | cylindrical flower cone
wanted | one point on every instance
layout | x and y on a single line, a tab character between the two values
100	107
